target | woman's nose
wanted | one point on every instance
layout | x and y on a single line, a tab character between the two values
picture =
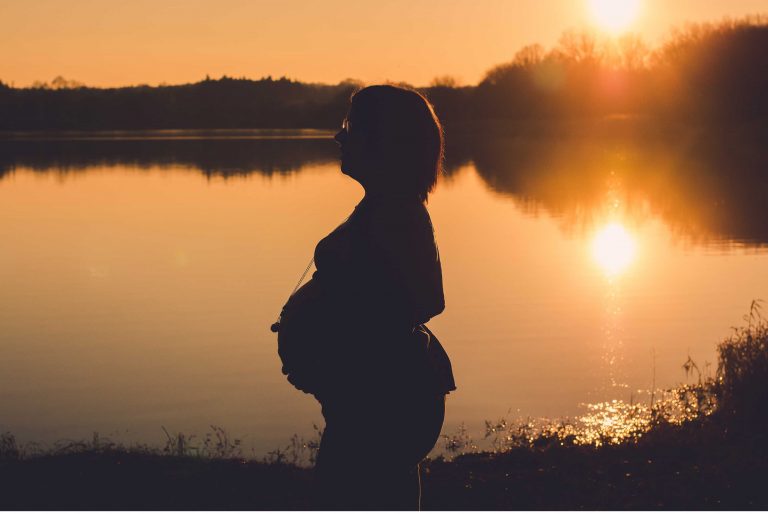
341	136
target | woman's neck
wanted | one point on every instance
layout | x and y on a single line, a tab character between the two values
384	195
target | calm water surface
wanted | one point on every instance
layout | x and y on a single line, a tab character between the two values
138	280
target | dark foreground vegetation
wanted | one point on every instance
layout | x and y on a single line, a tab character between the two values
704	73
707	449
699	466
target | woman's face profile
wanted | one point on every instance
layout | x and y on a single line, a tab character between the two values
351	150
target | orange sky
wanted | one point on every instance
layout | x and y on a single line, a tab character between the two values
122	42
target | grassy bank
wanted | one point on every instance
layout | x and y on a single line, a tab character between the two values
702	446
700	465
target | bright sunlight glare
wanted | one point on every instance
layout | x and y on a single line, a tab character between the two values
614	15
613	248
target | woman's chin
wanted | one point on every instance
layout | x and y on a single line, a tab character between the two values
346	170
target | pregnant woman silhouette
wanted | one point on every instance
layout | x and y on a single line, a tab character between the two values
354	335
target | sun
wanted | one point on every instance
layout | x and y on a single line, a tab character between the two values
614	15
613	248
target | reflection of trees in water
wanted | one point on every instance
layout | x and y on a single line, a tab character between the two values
706	184
213	157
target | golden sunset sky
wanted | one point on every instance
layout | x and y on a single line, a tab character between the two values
125	42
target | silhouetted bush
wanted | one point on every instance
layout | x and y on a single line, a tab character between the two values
743	372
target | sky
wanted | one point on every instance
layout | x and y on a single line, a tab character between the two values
109	43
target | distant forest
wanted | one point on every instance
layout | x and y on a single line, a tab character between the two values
703	72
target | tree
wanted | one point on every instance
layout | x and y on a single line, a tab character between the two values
530	55
60	82
444	81
579	47
633	52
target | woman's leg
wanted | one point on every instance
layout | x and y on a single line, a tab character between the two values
369	457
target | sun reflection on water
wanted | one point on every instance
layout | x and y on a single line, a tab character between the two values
613	248
603	423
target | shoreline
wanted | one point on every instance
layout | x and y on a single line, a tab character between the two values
702	464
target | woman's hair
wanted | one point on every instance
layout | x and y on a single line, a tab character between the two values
403	128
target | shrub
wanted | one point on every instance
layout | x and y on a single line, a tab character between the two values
743	370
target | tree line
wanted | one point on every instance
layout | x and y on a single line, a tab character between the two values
702	72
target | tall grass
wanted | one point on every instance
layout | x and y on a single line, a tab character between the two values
216	444
743	371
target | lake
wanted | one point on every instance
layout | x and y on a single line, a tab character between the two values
140	272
